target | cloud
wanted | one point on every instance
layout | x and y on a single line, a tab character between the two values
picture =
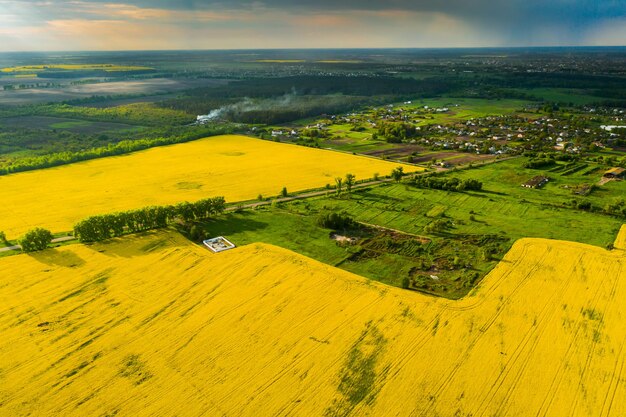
196	24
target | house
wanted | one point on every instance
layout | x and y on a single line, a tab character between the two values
615	173
536	182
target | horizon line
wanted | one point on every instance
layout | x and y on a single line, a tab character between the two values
387	48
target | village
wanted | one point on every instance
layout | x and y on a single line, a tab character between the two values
447	135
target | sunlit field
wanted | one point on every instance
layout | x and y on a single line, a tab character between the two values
154	325
236	167
74	67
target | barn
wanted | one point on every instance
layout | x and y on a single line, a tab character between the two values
536	182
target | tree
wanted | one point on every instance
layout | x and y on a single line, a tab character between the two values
339	184
3	237
336	221
36	240
397	174
283	192
349	182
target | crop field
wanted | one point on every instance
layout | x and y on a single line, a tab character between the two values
236	167
73	67
506	177
181	331
410	209
73	125
83	91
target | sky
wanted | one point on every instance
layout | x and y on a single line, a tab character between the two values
60	25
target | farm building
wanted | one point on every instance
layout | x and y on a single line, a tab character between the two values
615	173
536	182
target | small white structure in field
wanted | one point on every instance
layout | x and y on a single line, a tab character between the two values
218	244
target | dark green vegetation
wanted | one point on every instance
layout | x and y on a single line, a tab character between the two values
106	226
36	240
358	378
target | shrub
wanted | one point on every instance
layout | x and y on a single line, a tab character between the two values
3	237
397	174
336	221
36	240
195	233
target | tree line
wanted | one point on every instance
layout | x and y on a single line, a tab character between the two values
120	148
106	226
447	184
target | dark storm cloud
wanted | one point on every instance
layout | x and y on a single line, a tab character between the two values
518	21
542	9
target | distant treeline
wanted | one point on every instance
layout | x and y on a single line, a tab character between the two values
355	89
601	83
447	184
324	85
106	226
120	148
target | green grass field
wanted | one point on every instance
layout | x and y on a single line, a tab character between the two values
506	178
494	218
293	226
409	209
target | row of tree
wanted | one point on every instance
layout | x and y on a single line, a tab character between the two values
106	226
447	184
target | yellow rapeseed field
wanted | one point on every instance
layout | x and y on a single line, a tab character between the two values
236	167
154	325
620	242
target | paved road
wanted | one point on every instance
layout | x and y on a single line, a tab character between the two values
303	195
57	240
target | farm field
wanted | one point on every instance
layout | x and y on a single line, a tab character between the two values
410	209
180	331
73	125
73	67
446	263
371	254
236	167
82	91
507	176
